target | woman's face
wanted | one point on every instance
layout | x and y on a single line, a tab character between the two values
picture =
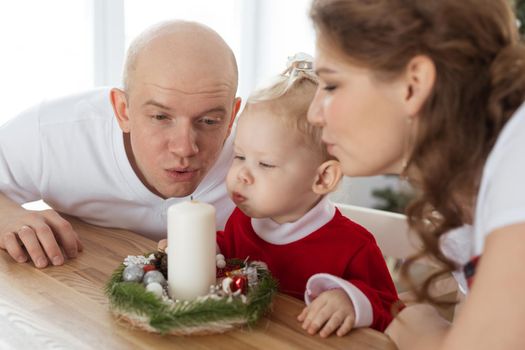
365	125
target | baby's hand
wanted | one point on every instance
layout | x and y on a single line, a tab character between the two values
162	245
333	309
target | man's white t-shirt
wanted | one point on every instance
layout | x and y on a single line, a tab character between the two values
70	153
501	197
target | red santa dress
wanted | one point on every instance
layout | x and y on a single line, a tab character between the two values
320	251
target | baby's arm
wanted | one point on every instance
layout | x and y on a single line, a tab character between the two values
367	285
322	286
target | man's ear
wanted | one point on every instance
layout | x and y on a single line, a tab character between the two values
328	176
419	79
235	111
119	102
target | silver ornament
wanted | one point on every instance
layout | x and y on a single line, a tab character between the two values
221	264
154	276
251	274
133	273
155	288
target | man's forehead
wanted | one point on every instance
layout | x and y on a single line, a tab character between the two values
217	88
185	78
178	102
182	78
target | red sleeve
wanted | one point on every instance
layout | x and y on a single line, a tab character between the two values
367	271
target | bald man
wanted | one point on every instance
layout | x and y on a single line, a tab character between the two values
120	158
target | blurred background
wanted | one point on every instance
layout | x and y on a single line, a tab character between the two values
56	47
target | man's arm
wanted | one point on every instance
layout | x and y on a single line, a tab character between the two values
43	235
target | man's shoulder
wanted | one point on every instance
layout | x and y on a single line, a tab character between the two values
73	108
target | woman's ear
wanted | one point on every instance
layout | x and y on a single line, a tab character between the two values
419	77
119	102
327	178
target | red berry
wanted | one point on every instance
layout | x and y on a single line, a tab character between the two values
239	283
148	268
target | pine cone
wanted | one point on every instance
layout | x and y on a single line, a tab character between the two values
161	263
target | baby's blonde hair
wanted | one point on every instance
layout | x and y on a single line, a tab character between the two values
289	97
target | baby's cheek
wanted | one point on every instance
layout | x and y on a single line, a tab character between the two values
230	180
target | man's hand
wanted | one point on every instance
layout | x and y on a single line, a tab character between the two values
44	235
331	309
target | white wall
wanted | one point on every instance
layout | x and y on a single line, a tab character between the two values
46	51
357	190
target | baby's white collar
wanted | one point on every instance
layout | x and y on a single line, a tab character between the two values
280	234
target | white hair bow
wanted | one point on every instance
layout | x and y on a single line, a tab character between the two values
299	62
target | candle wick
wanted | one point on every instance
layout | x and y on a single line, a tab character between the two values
191	197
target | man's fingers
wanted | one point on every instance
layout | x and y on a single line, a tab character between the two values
64	233
346	327
41	235
14	247
49	243
30	241
80	245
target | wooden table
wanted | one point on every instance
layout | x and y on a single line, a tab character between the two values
64	307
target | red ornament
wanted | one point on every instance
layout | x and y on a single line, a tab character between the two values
148	268
239	283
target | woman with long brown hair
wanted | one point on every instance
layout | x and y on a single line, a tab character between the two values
433	90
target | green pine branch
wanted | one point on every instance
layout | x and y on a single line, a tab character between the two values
132	297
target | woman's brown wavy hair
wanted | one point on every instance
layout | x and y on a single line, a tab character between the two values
480	82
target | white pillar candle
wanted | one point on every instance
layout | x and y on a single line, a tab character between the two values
191	249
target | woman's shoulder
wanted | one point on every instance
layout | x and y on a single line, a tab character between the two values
514	129
508	150
509	147
501	196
